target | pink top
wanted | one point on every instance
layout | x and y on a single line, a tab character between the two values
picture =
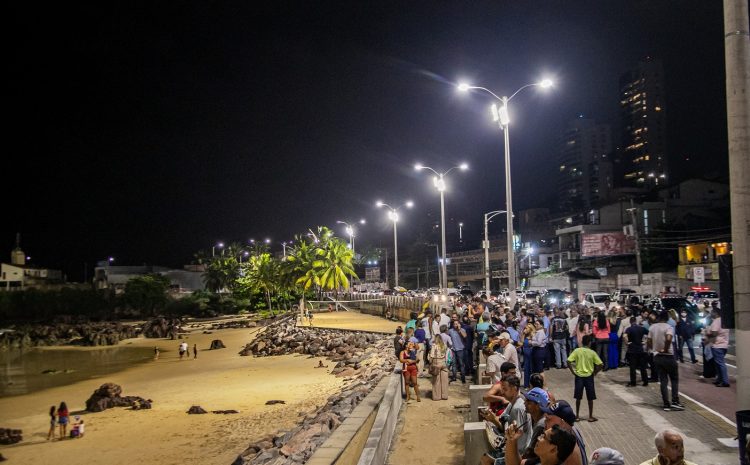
601	333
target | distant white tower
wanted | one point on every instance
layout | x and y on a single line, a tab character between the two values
17	257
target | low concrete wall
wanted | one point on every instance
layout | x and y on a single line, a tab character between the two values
365	436
381	434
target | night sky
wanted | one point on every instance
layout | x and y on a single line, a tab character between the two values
149	131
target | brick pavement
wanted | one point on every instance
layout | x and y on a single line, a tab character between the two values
629	417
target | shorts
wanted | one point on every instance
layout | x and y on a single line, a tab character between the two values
63	420
584	383
410	370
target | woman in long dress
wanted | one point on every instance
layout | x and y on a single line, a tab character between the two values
439	369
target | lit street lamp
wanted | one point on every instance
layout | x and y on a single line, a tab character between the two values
439	181
213	248
460	232
486	245
393	216
502	117
350	231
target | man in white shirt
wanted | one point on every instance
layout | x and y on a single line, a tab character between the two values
659	342
572	325
719	338
444	318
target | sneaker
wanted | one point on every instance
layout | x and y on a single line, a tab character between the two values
722	385
667	408
677	406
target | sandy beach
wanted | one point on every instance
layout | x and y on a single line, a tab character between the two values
216	380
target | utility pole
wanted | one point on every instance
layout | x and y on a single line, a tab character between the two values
737	62
634	221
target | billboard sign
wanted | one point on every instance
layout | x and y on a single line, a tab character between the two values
698	275
606	244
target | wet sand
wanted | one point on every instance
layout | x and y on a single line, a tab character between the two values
166	435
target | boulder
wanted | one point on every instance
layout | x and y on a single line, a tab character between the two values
196	410
217	344
108	396
10	436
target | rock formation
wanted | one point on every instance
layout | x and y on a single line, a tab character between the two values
108	396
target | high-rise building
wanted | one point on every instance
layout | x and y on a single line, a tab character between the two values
642	156
585	172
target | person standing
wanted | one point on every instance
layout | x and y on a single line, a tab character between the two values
659	343
398	341
62	419
685	334
613	353
719	344
438	369
52	423
539	344
408	357
560	333
584	363
182	349
572	325
601	335
528	350
195	351
458	345
635	355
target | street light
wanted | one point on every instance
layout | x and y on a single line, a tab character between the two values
501	116
460	232
283	246
393	216
350	231
439	182
213	248
486	245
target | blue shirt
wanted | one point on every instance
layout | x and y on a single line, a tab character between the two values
458	343
513	333
419	334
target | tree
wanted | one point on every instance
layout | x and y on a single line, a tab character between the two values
334	264
221	273
147	293
263	273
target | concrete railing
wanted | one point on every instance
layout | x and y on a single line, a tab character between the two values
381	433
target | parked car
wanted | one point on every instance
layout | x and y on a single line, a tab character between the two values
704	297
557	297
621	295
679	303
596	299
531	297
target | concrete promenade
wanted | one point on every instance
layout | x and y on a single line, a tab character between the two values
629	417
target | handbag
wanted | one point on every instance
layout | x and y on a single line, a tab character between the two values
435	370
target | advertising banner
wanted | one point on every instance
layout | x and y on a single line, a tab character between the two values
606	244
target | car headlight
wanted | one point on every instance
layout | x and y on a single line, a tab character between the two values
553	300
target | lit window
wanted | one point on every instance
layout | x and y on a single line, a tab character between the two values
657	108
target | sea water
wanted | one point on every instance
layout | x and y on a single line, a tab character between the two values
30	370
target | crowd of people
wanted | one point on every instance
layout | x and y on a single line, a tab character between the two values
59	419
526	422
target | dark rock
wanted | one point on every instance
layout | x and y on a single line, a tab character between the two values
217	344
10	436
224	412
272	402
196	410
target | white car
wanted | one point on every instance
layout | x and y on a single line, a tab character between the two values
705	297
596	299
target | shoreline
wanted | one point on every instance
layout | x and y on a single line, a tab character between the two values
217	380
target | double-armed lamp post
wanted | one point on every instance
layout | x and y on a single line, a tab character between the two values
501	116
393	216
439	182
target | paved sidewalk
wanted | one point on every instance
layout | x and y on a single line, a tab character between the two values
629	417
431	432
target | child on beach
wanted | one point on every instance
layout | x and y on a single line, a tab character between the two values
62	419
156	353
52	423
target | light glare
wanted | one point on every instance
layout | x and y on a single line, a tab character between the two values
464	166
418	166
546	83
463	87
409	204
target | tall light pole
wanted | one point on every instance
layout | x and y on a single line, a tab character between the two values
351	232
213	248
439	181
460	232
283	247
393	216
486	245
502	117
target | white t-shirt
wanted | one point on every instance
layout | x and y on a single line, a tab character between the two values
445	320
722	338
572	325
510	354
657	333
494	362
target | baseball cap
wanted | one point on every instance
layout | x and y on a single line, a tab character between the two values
561	409
504	335
606	456
539	396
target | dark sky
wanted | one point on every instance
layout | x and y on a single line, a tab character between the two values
149	131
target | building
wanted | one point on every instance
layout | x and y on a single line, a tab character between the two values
642	156
107	276
585	168
20	275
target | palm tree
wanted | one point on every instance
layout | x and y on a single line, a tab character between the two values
335	265
299	264
264	273
221	273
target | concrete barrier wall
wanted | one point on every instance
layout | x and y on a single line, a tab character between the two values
381	434
365	436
